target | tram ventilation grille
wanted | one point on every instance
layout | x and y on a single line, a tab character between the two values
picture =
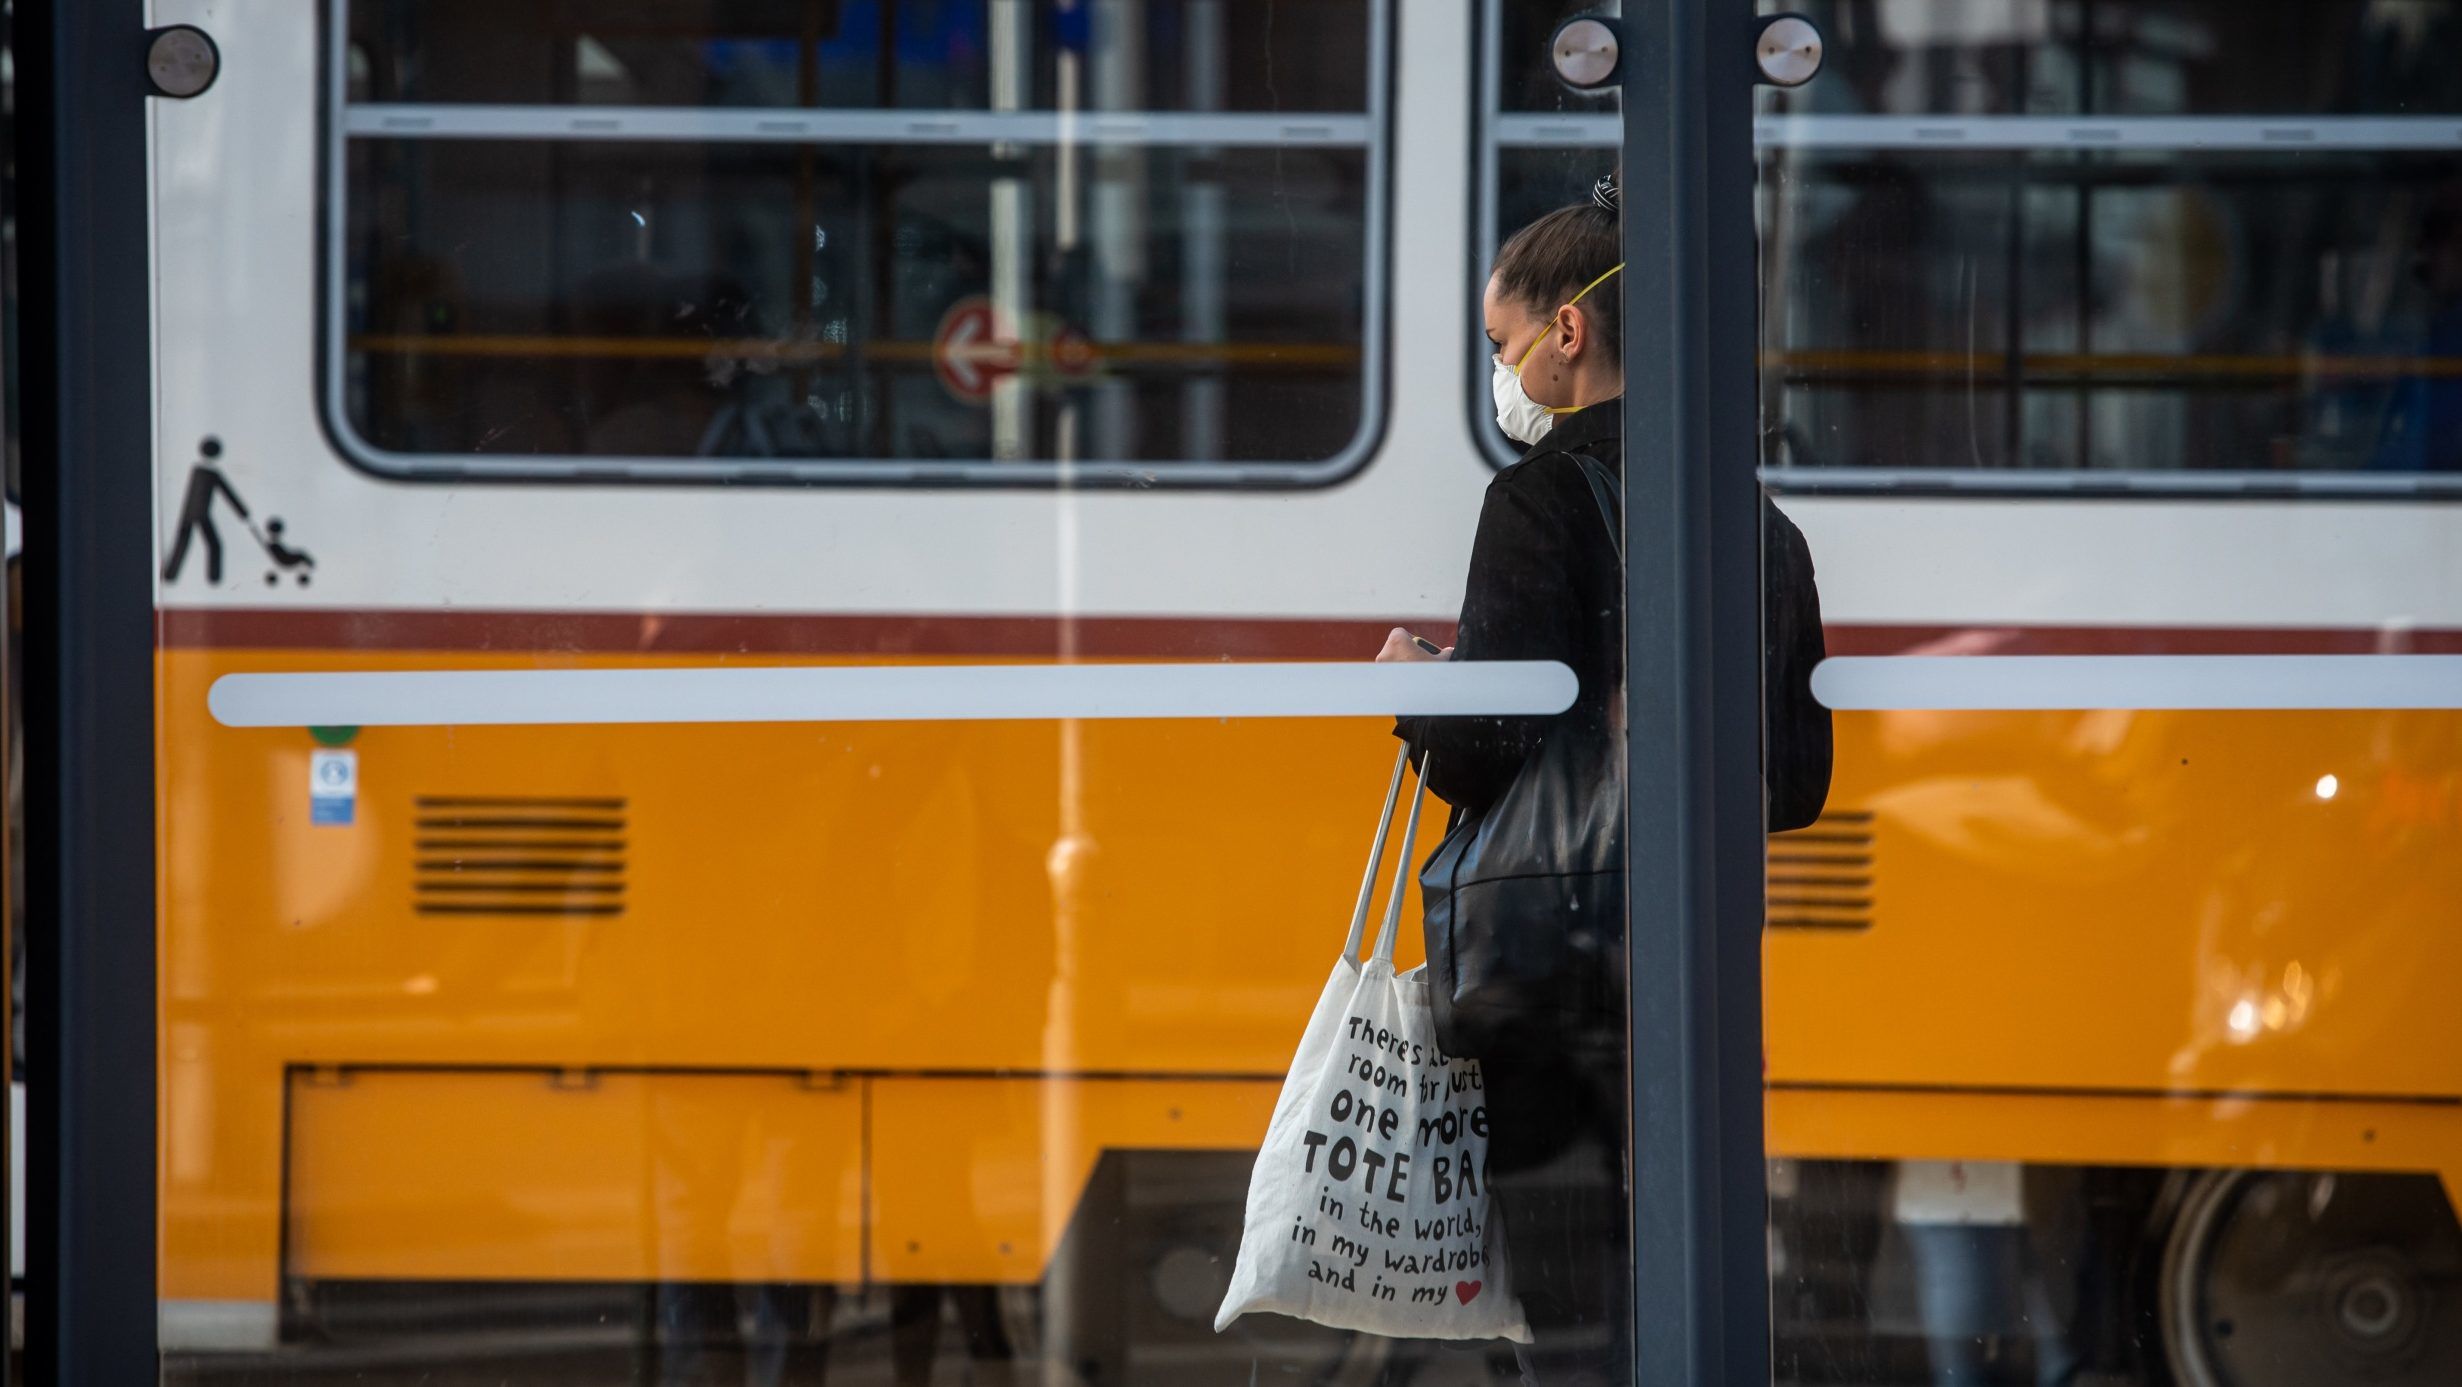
521	855
1822	877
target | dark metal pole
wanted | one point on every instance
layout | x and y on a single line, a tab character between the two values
1693	660
89	691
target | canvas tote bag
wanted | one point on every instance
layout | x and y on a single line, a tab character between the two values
1368	1208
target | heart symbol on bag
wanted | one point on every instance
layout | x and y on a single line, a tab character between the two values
1468	1290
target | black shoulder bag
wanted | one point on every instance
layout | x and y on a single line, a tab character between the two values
1524	902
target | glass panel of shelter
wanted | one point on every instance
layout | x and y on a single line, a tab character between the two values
759	779
2102	1040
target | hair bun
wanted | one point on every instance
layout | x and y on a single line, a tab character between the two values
1604	193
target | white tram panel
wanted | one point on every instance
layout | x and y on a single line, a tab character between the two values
2390	565
237	209
237	206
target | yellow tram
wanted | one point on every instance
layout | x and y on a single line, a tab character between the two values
555	340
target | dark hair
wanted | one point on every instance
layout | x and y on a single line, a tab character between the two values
1543	265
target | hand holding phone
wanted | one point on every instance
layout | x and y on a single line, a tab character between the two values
1405	647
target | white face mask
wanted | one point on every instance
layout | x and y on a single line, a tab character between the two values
1523	419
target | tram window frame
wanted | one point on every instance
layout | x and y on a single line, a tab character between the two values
1489	122
1495	129
888	125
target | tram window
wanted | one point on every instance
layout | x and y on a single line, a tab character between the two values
2071	243
2059	244
1539	145
801	240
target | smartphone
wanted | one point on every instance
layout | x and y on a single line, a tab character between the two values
1427	645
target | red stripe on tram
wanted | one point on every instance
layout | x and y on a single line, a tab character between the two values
1142	637
526	632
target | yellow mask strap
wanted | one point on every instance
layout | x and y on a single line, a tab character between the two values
1577	298
1602	279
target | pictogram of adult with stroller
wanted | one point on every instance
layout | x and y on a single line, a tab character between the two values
196	522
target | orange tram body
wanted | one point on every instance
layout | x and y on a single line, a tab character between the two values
870	1003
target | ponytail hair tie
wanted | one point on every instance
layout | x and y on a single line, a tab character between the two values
1604	193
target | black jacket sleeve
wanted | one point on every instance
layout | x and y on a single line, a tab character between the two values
1795	739
1519	604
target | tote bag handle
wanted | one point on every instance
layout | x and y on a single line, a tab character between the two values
1376	859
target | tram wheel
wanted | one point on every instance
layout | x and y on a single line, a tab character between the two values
2276	1278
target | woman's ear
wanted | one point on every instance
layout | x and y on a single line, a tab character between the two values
1572	330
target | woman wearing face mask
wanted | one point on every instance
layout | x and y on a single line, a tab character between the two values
1546	583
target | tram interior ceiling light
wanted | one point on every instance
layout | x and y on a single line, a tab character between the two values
1588	52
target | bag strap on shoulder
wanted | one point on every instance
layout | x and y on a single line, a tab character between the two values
1607	489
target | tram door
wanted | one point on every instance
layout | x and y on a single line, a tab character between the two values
769	706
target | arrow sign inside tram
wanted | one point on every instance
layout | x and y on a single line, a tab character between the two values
977	346
970	352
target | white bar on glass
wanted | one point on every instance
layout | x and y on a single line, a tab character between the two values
802	125
2164	134
2080	682
890	693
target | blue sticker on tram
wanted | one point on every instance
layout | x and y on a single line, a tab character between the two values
333	787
